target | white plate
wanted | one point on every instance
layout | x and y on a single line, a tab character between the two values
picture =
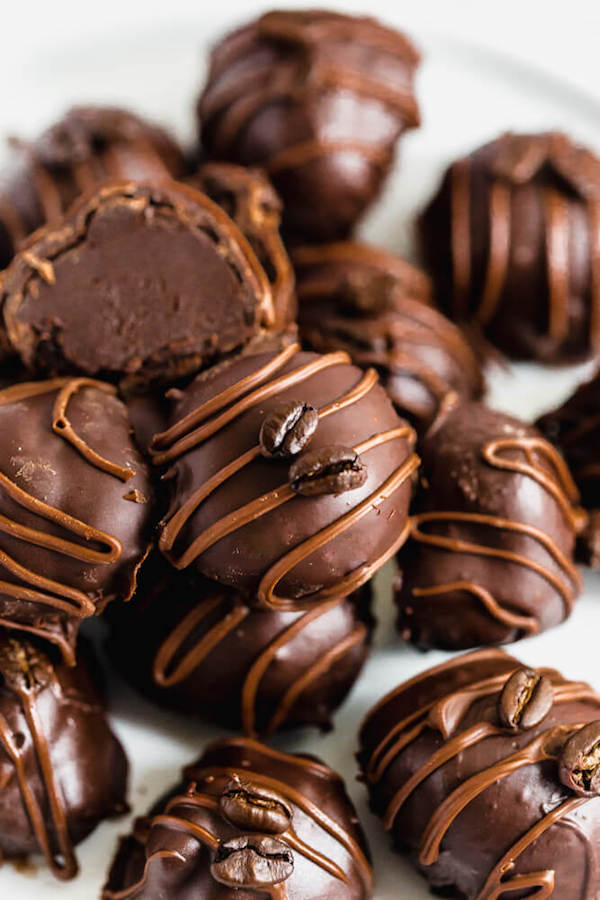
467	95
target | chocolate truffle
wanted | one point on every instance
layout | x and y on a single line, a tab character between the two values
175	640
247	820
62	768
513	240
490	554
89	145
290	475
374	306
75	506
468	766
144	281
575	429
318	99
248	197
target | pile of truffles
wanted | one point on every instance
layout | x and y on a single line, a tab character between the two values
219	404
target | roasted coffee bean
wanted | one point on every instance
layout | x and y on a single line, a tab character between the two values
368	295
253	808
526	700
288	429
251	861
579	763
328	470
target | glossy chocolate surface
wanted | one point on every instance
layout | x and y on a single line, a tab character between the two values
237	516
377	308
141	281
490	555
478	806
202	649
89	145
574	428
62	768
248	197
318	99
512	239
76	505
289	816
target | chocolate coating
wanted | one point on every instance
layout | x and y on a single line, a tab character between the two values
62	768
376	307
143	281
479	807
574	428
234	514
240	797
248	197
76	506
318	99
202	649
89	145
512	238
490	555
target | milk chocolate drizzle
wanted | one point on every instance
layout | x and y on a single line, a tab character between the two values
26	674
166	676
567	582
519	159
213	415
32	586
215	779
371	338
445	715
308	73
108	162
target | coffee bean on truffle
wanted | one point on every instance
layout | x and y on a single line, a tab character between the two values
579	763
525	700
212	824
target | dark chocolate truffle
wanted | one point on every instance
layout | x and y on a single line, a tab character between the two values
309	518
375	306
247	821
89	145
75	506
513	240
178	639
144	281
490	554
575	429
248	197
61	767
318	99
480	805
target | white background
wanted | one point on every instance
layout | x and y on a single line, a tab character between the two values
487	66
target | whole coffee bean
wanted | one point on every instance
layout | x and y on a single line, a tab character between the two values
288	429
365	295
579	763
252	861
526	700
328	470
252	808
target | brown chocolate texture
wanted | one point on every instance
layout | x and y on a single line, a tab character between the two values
140	281
89	145
283	669
239	517
574	428
289	818
377	308
490	554
76	505
479	806
248	197
512	239
62	769
317	99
